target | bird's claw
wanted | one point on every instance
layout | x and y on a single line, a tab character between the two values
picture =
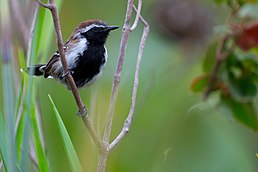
66	73
82	113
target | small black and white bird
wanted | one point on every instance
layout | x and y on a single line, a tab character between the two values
85	52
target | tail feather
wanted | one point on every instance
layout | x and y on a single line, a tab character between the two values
36	70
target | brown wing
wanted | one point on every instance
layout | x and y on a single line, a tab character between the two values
48	70
55	59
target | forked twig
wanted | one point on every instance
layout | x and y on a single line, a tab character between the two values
129	118
127	29
117	76
138	14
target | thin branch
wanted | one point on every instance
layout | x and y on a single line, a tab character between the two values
92	131
34	161
138	13
103	154
82	109
221	55
48	6
129	118
145	23
117	76
32	155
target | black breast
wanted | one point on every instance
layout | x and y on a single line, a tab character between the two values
89	64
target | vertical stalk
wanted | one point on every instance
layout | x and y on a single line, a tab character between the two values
103	153
8	90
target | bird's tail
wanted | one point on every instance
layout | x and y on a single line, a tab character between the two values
36	70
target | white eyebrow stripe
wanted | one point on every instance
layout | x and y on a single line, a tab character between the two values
91	26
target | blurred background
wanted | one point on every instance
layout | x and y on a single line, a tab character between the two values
173	129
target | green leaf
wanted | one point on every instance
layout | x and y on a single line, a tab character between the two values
9	107
210	58
47	30
242	89
69	148
29	104
199	83
249	61
25	145
20	104
42	160
243	112
249	10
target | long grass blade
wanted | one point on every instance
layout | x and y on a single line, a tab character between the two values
3	145
69	148
9	115
25	145
42	160
30	101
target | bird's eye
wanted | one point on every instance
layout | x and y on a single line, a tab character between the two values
95	29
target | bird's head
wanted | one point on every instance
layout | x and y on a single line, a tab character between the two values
95	31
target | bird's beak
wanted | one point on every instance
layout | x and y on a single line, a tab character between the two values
109	28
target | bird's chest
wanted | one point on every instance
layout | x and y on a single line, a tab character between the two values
89	64
92	59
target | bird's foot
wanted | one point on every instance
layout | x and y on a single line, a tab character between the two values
83	112
66	73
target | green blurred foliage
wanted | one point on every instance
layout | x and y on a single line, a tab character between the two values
171	131
231	65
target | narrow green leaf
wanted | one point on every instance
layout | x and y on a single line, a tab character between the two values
47	31
69	148
3	145
20	89
25	145
42	160
210	58
9	107
199	83
29	104
20	106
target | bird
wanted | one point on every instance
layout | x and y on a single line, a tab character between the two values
85	53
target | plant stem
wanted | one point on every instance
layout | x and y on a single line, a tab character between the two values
127	29
103	153
82	109
129	118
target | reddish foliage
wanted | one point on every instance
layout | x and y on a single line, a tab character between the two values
247	38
